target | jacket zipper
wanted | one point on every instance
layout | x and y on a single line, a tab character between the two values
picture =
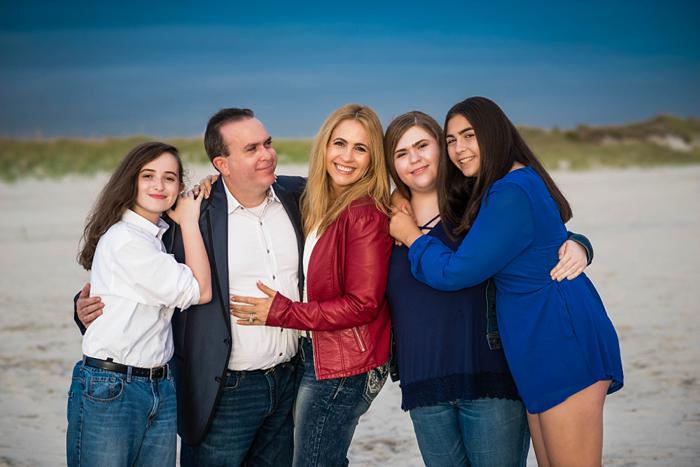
358	338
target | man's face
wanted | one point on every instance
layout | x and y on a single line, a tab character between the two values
249	169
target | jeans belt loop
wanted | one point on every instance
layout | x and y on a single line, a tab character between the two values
128	374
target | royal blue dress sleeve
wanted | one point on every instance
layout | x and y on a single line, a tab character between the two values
503	228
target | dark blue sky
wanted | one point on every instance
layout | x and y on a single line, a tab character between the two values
120	68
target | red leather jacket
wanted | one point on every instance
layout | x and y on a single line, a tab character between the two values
347	310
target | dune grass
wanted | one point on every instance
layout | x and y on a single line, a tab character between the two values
59	157
637	144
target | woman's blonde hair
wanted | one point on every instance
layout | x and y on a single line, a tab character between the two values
319	206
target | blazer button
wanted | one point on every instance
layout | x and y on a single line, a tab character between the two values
227	341
217	379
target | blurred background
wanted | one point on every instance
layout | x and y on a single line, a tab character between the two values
160	69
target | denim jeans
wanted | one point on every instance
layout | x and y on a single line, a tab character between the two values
327	412
115	420
482	432
253	422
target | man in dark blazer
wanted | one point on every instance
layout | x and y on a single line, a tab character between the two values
228	416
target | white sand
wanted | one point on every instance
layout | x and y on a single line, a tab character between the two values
645	228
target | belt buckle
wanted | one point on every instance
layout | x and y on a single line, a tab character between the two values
153	371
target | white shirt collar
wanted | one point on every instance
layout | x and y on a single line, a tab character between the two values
157	230
233	203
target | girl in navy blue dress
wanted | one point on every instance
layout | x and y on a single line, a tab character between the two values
560	345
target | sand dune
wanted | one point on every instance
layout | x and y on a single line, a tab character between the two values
645	227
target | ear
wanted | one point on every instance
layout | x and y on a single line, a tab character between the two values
221	164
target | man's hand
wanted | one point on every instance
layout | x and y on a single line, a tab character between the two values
87	307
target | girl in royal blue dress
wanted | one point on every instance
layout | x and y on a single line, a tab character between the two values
560	345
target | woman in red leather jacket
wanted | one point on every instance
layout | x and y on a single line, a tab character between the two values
344	317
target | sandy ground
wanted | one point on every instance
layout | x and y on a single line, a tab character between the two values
645	227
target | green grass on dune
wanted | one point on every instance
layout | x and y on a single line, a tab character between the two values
59	157
636	144
559	150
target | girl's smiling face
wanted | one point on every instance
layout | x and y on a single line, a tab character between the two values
462	145
158	186
416	159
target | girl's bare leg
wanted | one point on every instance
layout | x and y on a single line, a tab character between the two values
573	430
537	441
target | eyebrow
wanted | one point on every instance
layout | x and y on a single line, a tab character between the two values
461	132
152	170
250	146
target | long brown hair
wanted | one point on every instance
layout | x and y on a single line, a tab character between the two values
500	146
119	194
396	130
319	207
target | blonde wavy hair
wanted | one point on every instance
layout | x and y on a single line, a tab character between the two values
319	206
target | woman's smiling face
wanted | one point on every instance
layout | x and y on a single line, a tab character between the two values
347	154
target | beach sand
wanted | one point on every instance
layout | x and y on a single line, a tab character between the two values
645	229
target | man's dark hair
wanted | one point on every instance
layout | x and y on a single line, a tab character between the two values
213	141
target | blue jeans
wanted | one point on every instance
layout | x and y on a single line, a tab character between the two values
482	432
115	420
327	412
253	422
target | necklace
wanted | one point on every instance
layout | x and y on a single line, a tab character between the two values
427	224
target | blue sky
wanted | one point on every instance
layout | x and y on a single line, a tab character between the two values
162	68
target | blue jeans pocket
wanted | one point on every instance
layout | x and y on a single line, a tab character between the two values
376	377
233	380
103	386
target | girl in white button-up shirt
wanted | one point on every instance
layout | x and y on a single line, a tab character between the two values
121	405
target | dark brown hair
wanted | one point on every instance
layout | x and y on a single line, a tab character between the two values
500	146
396	130
119	194
214	143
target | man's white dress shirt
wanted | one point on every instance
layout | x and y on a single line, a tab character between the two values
140	285
261	246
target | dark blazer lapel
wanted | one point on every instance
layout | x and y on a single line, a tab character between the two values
291	205
214	219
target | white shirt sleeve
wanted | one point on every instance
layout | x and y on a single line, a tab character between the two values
152	277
